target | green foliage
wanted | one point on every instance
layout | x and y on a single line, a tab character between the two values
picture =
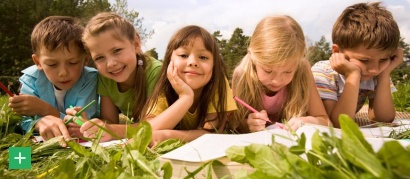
121	8
350	156
153	53
233	50
401	97
320	51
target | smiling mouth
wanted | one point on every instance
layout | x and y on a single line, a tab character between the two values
117	71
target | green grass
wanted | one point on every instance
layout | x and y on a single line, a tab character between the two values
401	98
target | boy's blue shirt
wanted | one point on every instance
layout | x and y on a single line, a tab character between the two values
34	82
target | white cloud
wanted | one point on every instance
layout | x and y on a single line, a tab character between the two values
315	16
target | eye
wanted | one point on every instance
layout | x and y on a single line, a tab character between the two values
52	65
288	72
203	58
117	50
363	60
183	55
98	58
385	59
74	63
267	71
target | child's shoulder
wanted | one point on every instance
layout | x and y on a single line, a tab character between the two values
32	71
323	67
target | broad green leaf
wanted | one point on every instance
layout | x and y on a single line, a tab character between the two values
357	150
78	149
142	137
167	168
261	158
136	157
167	146
237	154
396	158
66	169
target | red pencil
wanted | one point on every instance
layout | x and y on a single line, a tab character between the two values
247	106
6	90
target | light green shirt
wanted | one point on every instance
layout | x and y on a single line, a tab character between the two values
124	100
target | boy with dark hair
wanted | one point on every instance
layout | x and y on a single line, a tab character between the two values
58	79
365	51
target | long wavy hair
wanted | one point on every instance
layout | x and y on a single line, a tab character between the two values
277	40
122	29
216	86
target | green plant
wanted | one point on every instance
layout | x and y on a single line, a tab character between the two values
350	156
401	97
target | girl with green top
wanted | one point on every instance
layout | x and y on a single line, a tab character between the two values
126	77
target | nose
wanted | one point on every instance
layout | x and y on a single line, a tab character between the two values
111	63
276	79
373	69
192	61
63	71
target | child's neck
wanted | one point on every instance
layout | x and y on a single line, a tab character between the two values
197	97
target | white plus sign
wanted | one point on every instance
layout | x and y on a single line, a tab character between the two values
19	158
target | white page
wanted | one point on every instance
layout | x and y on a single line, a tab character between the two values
213	146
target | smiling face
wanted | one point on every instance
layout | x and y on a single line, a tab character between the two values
114	58
370	61
275	78
62	67
194	64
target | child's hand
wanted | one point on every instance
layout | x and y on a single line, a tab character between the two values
89	130
28	105
295	122
395	61
177	83
158	136
51	126
341	65
257	121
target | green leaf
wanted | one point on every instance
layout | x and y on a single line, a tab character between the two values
66	169
142	137
396	158
167	146
261	157
357	150
237	154
167	168
78	149
136	157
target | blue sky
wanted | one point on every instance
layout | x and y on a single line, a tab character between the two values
316	17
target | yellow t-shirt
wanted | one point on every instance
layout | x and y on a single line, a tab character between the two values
190	120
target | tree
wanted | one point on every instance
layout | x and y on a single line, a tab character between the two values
234	50
121	8
18	18
152	53
320	51
405	46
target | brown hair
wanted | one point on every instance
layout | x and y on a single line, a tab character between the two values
367	24
217	84
56	32
122	29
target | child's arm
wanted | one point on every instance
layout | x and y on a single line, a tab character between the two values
29	105
316	113
109	111
347	102
170	117
381	108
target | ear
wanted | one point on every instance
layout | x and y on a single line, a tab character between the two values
137	44
335	48
86	59
36	61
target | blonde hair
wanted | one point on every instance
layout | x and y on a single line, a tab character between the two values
277	40
122	30
367	24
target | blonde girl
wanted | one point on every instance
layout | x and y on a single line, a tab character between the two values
126	75
275	78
